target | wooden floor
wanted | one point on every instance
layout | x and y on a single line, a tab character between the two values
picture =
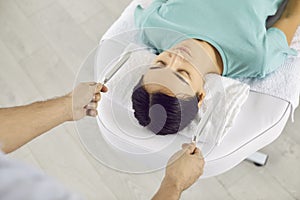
42	44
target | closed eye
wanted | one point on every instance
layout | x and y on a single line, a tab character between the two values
156	67
184	73
159	64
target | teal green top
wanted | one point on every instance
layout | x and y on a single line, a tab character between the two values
236	28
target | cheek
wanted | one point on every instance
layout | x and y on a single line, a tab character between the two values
197	82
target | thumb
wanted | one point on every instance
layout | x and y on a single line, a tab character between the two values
99	87
198	153
190	148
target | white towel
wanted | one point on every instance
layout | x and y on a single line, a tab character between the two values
225	113
284	83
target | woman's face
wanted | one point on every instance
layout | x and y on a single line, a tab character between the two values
175	71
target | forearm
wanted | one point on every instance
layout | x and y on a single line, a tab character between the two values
167	191
19	125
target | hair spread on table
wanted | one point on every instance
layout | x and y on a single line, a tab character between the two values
161	113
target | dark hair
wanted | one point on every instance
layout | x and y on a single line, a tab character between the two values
161	113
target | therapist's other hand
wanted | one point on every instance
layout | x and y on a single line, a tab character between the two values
184	167
83	100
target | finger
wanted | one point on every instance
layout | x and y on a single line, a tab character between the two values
184	145
94	87
100	88
92	83
91	105
91	112
96	97
104	88
190	148
97	87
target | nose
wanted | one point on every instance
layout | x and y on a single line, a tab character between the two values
175	58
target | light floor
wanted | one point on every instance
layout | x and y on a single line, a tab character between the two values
42	44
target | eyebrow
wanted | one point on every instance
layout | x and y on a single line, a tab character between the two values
177	75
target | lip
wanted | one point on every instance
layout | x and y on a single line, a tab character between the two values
185	50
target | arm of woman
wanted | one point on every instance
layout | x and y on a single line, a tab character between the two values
290	20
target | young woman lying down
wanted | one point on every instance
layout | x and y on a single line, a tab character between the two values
228	38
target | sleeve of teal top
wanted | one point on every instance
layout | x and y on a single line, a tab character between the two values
138	16
140	13
161	1
277	50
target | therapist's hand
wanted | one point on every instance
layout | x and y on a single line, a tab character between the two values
83	100
185	167
183	170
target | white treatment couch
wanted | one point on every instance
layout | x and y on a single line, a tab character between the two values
260	121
